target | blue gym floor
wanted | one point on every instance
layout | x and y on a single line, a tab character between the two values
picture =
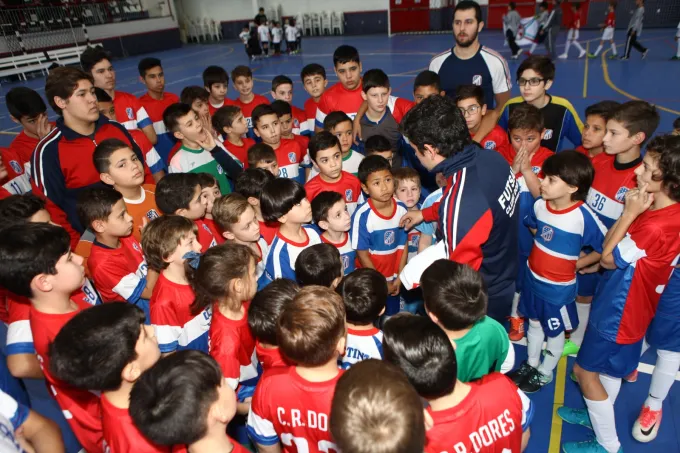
583	82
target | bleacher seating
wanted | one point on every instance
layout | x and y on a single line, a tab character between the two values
23	64
70	55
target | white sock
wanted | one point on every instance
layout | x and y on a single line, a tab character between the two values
515	304
554	350
583	311
533	47
599	49
534	342
578	46
612	385
566	48
613	49
677	54
604	424
667	364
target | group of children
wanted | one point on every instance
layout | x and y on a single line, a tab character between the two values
259	279
257	37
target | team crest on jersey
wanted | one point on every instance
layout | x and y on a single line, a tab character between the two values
477	80
389	237
135	246
536	170
16	167
152	214
490	144
621	194
547	233
219	169
548	134
205	227
296	123
348	195
345	261
130	114
292	158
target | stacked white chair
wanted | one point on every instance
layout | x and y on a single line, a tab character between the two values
325	23
337	23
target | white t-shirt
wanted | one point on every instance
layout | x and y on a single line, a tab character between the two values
12	416
276	35
291	33
263	31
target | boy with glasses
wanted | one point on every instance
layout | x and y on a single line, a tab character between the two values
470	101
535	77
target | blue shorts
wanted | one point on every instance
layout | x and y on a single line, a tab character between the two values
664	332
392	305
554	318
600	355
587	283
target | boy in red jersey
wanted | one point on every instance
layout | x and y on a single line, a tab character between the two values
292	405
250	184
262	156
180	194
57	170
216	83
526	128
345	95
314	81
572	35
608	31
183	400
489	415
595	128
168	242
289	153
117	332
36	262
155	101
119	167
396	421
470	100
639	248
116	261
282	90
231	127
628	127
242	78
27	108
324	151
287	121
129	111
263	316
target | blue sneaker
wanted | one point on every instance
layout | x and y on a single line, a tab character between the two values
575	416
589	446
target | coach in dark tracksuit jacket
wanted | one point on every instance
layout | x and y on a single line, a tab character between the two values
477	213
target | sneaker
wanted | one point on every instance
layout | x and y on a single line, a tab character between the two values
590	446
646	427
575	416
613	57
535	382
632	377
675	58
516	328
520	374
563	56
623	58
570	348
582	54
644	54
591	55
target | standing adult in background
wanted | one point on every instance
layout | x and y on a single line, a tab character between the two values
552	28
470	62
635	30
261	17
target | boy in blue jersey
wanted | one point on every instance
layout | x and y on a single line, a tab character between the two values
284	200
329	212
535	77
562	226
319	264
364	293
376	235
639	248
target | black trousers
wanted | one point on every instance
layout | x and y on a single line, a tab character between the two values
631	41
511	42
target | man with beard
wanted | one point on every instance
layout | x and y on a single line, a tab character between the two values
470	62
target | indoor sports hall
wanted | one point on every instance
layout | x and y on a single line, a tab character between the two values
399	37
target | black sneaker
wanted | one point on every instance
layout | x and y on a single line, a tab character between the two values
521	374
535	382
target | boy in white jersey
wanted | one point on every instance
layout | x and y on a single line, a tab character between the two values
277	33
364	292
329	212
263	34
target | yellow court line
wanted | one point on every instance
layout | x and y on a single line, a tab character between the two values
608	81
558	401
585	72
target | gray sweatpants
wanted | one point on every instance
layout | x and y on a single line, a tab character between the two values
551	41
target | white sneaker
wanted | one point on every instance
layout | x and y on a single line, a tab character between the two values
563	56
582	54
646	426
